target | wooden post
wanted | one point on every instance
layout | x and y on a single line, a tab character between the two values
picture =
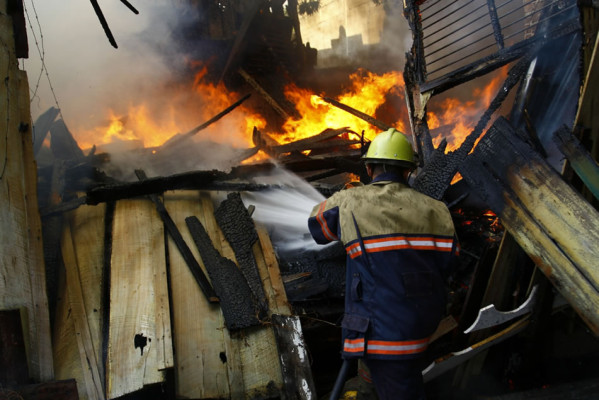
22	271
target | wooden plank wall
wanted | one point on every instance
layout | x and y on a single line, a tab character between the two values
209	361
22	272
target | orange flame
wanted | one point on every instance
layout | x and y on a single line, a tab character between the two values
153	123
457	118
367	93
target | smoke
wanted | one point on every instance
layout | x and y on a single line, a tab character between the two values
87	78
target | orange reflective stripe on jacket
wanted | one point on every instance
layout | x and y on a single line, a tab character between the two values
443	244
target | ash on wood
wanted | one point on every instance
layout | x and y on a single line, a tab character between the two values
236	299
238	228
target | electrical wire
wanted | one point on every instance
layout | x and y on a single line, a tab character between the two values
39	44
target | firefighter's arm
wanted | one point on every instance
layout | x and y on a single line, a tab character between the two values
324	222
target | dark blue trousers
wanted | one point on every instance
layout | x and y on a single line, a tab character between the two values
397	379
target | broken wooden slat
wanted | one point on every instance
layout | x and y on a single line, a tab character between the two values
310	142
138	254
551	222
87	226
93	383
198	327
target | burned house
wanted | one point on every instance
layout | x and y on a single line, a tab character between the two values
166	280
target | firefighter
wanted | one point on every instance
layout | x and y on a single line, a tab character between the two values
400	245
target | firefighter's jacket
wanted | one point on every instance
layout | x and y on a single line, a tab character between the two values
400	244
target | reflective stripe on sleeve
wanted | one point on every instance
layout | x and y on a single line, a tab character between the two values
353	345
323	223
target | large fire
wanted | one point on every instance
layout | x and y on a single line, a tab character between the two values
459	117
367	92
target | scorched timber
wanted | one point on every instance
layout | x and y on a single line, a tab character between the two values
239	230
236	299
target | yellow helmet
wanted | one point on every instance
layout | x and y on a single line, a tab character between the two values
391	147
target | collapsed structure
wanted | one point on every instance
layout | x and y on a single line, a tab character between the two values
164	286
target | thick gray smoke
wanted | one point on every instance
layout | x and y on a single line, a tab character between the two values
85	71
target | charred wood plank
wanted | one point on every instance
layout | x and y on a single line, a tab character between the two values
236	299
152	186
186	253
554	224
238	228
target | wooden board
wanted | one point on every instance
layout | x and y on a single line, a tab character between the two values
199	334
92	382
135	352
234	366
22	277
83	259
